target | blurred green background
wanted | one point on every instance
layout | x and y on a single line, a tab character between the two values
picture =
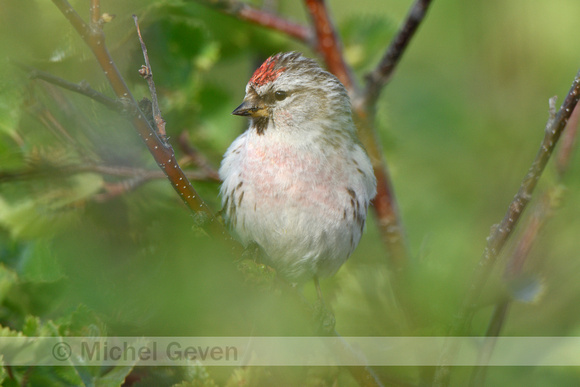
460	123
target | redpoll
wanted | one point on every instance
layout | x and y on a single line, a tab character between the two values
298	182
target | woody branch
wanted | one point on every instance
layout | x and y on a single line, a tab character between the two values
92	34
542	211
328	44
501	232
381	75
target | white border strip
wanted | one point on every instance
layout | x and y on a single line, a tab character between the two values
286	351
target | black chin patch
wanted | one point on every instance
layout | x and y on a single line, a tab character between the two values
261	123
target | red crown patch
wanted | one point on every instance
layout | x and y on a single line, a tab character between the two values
266	73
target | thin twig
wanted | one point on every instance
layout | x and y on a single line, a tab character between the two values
49	121
50	172
513	270
196	157
262	18
568	143
147	73
542	212
39	111
501	232
500	311
479	373
81	87
162	153
114	190
379	77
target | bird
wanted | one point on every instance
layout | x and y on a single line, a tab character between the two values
298	182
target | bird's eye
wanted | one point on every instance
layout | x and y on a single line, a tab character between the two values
280	95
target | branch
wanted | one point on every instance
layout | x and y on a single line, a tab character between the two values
81	87
50	172
48	120
378	78
262	18
196	158
328	44
501	232
163	153
568	143
113	190
542	211
501	309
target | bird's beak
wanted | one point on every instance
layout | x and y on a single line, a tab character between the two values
251	109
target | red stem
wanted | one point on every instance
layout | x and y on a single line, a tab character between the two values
274	22
328	43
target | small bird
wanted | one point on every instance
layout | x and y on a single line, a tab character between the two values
298	181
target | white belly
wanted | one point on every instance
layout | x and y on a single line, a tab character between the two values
306	211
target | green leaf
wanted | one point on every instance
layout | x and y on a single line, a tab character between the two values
31	326
251	376
52	376
199	375
39	264
49	212
114	377
7	279
7	332
3	373
83	322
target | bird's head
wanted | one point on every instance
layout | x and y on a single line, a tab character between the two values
290	91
